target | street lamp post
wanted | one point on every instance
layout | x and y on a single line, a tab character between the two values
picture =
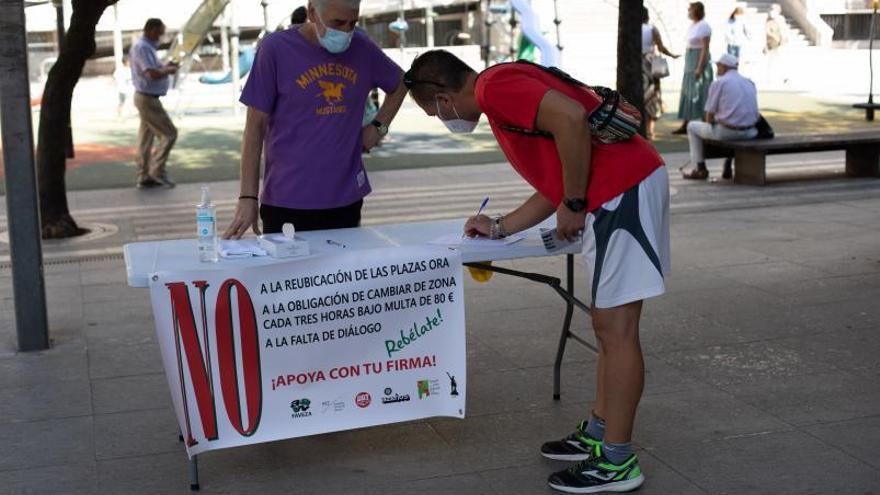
870	106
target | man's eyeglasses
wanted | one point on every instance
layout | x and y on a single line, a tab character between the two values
409	82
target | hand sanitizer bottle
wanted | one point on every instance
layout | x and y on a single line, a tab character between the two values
206	221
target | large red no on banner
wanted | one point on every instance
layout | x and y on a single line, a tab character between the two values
198	357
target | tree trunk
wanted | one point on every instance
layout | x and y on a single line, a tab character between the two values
55	139
629	54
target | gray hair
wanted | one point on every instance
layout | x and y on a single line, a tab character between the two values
320	4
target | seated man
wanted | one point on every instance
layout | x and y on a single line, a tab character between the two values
731	114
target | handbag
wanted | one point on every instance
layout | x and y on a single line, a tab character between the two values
659	67
764	129
614	121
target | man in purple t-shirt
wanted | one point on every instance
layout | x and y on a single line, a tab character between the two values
306	95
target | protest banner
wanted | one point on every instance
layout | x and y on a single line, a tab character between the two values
311	346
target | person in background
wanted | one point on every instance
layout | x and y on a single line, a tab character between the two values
151	81
122	79
731	115
595	190
651	44
306	95
697	68
776	39
737	35
298	16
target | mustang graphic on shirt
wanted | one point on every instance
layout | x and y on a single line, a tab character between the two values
332	92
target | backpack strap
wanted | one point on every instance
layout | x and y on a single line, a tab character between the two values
527	132
607	95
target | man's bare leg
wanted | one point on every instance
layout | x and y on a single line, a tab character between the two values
621	369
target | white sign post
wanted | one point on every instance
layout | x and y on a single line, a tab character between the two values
312	346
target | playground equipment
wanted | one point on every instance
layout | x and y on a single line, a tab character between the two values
196	28
531	29
245	61
532	40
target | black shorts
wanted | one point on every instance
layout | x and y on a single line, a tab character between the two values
333	218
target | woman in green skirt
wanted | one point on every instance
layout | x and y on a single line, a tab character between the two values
652	42
697	68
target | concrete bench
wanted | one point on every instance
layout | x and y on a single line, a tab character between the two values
862	152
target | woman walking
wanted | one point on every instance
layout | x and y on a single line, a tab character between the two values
650	81
737	34
697	69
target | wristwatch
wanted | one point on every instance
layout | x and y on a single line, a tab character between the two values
496	228
574	204
383	128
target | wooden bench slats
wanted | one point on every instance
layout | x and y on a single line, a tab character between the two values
808	142
862	152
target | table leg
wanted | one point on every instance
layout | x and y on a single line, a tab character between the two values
194	473
571	302
566	327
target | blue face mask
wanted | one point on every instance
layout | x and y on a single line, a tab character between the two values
334	40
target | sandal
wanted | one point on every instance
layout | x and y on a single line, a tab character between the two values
695	174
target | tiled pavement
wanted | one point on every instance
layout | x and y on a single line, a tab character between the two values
762	360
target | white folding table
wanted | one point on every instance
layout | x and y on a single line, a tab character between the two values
142	259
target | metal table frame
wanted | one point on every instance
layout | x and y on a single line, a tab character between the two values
571	302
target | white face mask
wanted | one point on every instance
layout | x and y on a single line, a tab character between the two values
457	125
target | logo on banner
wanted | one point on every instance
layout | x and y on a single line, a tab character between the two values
452	385
363	400
300	408
428	387
391	397
336	405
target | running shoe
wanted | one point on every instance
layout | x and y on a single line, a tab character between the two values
579	446
598	475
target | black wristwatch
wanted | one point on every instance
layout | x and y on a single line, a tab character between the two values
383	129
574	204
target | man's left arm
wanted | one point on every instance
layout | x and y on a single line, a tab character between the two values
386	114
712	101
566	119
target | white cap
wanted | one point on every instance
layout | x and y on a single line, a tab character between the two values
206	196
728	60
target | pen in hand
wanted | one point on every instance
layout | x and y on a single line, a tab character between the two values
482	207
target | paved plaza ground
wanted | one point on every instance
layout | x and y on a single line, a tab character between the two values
762	364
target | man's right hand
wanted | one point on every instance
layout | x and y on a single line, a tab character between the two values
478	226
246	216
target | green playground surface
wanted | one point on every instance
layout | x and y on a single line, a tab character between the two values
210	138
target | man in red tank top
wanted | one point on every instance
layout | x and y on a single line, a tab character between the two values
615	195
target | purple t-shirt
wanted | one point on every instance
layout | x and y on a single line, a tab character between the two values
315	100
